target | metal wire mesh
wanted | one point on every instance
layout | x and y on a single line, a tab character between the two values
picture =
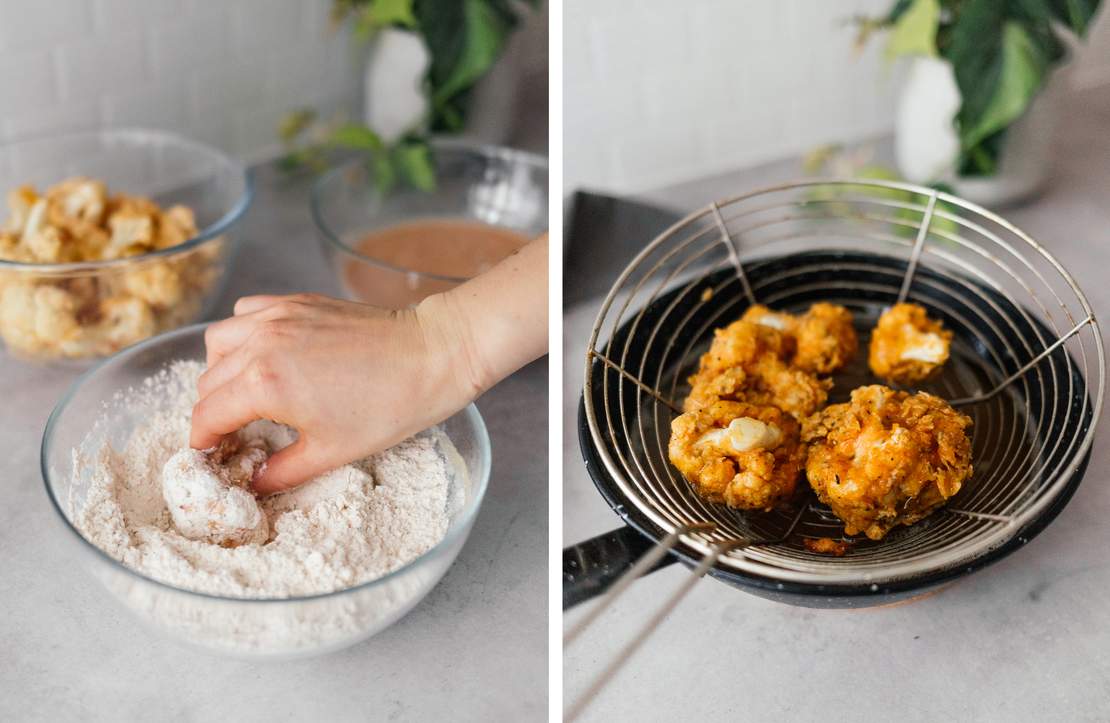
1027	362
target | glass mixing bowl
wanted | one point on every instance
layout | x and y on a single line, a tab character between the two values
278	628
92	309
489	184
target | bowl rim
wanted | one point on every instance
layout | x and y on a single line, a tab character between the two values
534	160
458	528
135	134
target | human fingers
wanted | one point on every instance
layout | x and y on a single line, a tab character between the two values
223	370
291	466
252	304
228	408
223	337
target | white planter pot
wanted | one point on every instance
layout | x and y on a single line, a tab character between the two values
394	100
926	144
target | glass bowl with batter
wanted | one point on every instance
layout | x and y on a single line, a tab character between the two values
93	413
392	248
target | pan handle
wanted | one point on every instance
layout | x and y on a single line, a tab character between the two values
591	567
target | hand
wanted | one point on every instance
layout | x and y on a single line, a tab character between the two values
353	379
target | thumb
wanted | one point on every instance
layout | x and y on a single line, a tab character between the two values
289	467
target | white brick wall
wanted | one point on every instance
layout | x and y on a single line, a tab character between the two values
221	72
657	92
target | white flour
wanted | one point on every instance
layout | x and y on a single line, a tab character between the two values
346	527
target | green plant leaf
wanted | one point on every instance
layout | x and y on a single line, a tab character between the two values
464	39
1010	83
356	137
385	175
414	162
1076	14
897	10
484	32
915	31
393	12
294	123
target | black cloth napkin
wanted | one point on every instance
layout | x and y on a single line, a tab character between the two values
602	235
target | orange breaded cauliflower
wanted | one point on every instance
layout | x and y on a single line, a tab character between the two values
822	340
744	455
907	346
745	363
765	381
886	458
743	342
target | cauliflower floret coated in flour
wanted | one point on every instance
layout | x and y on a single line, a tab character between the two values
208	496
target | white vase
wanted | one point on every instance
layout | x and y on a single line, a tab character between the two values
927	146
394	102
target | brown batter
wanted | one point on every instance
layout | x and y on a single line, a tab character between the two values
456	248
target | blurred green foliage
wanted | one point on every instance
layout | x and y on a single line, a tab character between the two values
1001	51
464	38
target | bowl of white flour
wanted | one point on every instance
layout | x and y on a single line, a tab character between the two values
347	554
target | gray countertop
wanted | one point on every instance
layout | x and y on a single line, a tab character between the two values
1025	639
474	649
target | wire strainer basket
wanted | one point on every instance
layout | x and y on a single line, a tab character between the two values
1027	366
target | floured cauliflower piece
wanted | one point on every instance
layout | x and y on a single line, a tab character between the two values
97	312
744	455
745	364
821	341
907	346
886	458
208	494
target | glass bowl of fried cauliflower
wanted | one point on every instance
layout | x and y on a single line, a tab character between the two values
109	237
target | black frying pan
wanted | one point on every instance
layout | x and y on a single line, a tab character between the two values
591	566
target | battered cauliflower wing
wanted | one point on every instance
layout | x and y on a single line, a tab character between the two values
766	381
886	458
821	341
744	342
745	363
907	346
744	455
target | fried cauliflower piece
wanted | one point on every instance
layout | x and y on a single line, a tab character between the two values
826	339
743	342
821	341
886	458
744	455
765	381
745	363
907	346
